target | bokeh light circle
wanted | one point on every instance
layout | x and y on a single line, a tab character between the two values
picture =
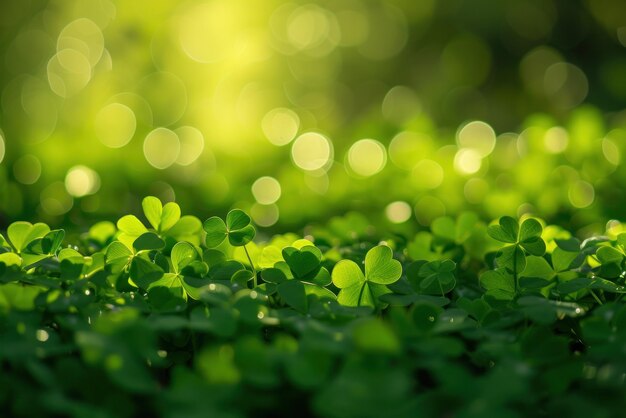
556	140
280	126
2	148
367	157
427	174
477	136
115	125
398	212
27	169
161	148
312	151
407	148
69	71
55	200
191	144
581	194
467	161
266	190
81	181
264	215
84	36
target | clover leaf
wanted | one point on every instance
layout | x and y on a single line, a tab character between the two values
160	217
456	231
305	264
165	220
567	255
42	248
185	278
299	277
612	258
237	228
498	284
21	234
527	236
358	289
434	277
519	240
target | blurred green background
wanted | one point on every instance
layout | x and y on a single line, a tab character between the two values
297	111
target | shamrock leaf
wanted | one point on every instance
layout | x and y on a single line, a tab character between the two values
567	255
519	240
611	259
299	277
237	228
537	274
421	247
433	277
456	231
305	264
162	218
42	248
507	230
21	234
147	242
358	289
498	284
527	236
185	278
165	221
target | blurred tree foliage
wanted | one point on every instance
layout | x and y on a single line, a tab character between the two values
505	108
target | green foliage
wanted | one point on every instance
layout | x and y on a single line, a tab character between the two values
358	289
434	322
237	228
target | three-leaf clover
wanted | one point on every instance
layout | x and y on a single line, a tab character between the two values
612	259
119	257
165	220
184	279
238	228
434	277
519	240
300	275
358	289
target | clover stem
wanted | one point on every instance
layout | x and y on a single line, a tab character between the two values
515	270
361	294
595	296
251	265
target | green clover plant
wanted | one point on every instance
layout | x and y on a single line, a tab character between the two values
299	276
359	289
238	229
519	241
165	220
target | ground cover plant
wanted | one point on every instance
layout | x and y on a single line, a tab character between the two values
163	315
